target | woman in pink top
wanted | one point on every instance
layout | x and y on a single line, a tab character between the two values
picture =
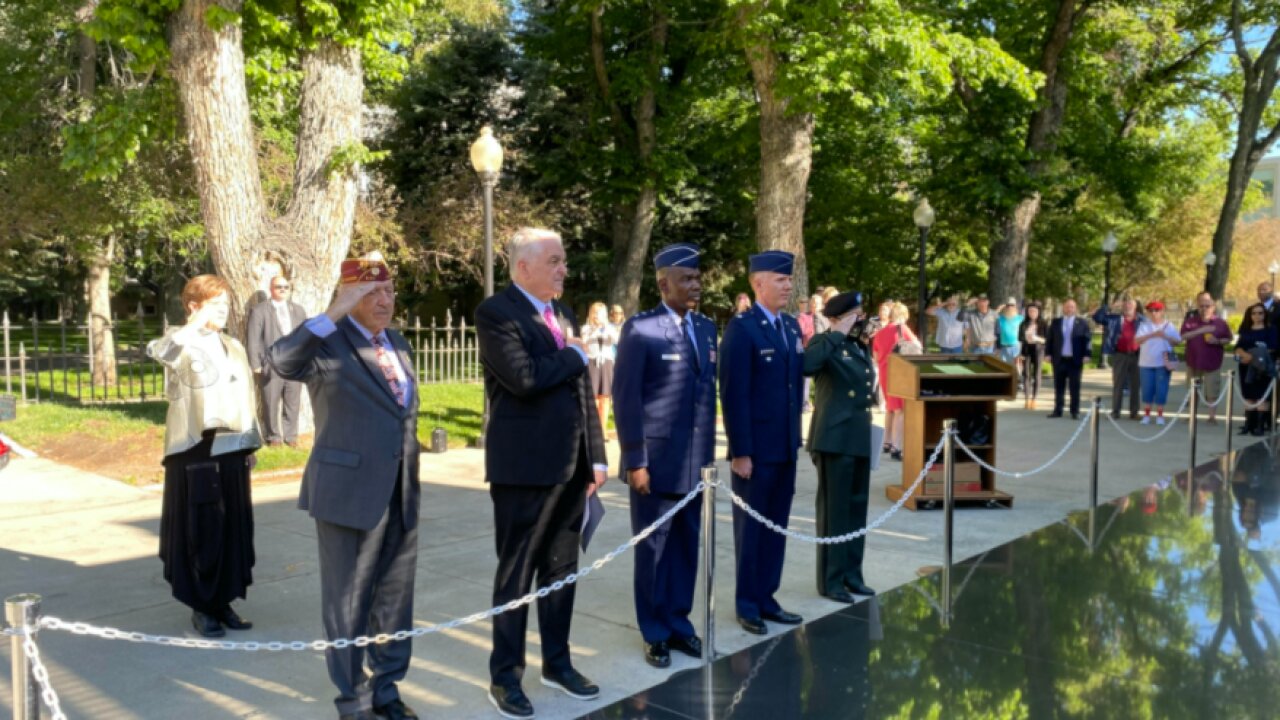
889	338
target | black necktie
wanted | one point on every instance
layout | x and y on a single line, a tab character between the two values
777	325
693	343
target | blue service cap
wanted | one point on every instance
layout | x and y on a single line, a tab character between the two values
683	255
778	261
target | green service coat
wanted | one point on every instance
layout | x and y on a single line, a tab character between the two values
845	377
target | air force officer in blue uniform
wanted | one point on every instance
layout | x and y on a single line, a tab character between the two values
664	395
761	393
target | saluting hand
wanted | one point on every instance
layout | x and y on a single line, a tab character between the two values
638	479
347	297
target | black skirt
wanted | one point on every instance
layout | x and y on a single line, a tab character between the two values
206	527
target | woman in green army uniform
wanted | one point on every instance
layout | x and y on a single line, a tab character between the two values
844	373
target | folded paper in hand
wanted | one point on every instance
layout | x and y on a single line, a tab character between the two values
591	518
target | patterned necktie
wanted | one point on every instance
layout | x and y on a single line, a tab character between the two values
385	363
550	319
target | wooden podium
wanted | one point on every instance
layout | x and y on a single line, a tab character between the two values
935	388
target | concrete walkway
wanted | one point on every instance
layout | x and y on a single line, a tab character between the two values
88	545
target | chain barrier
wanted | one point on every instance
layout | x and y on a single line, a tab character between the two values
109	633
42	676
1221	396
837	539
1158	435
1084	422
1261	401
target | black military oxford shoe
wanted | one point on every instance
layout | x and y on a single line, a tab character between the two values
859	588
755	626
691	646
841	596
657	654
784	617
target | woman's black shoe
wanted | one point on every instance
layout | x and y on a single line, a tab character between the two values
896	454
233	621
206	625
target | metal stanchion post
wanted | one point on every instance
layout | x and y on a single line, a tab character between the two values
710	477
948	508
1095	436
23	611
1231	396
1193	420
1274	404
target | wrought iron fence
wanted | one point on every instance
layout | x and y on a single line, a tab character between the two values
52	361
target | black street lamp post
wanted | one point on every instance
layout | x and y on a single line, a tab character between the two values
486	159
1274	267
924	217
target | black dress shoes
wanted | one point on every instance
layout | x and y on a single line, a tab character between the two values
755	626
511	702
396	710
358	715
841	596
206	625
657	654
784	617
1054	415
859	588
572	683
233	621
691	646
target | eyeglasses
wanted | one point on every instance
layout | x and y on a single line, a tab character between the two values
279	287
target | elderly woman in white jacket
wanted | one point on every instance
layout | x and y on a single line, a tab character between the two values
211	433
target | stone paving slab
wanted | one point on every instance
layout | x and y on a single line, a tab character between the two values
88	545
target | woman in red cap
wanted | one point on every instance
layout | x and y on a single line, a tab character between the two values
1156	338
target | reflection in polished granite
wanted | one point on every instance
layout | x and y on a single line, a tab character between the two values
1163	604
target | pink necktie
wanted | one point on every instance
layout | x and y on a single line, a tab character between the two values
550	318
388	370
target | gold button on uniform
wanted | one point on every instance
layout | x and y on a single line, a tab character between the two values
853	394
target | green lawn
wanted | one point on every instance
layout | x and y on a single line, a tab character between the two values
131	435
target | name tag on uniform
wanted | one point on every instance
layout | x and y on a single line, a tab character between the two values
672	357
766	351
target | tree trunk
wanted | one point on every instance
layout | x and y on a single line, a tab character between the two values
786	157
634	220
1239	174
314	234
1007	276
632	231
208	68
97	286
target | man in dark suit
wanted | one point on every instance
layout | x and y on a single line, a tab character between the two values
664	403
544	454
269	321
1266	296
761	388
1070	344
840	442
361	485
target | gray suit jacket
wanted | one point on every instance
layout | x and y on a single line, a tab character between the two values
364	439
264	330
